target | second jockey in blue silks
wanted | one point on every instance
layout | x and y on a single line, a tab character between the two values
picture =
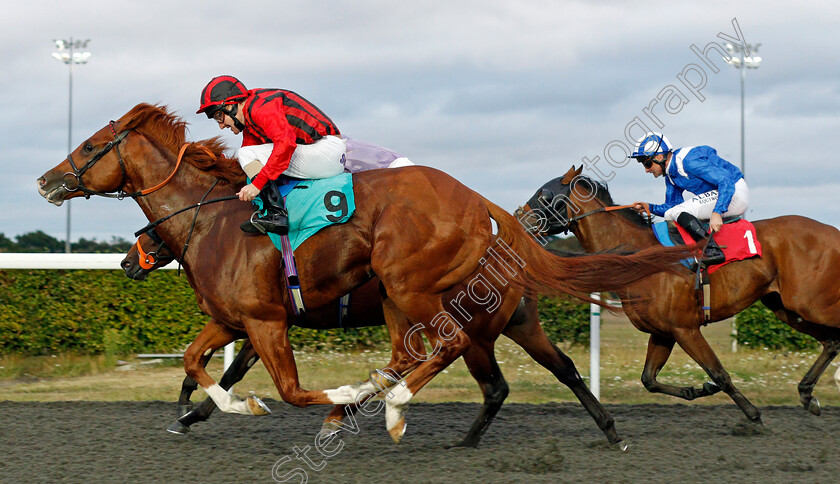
718	186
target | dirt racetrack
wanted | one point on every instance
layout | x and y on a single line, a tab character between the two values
125	442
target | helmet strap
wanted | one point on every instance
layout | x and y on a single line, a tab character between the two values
232	113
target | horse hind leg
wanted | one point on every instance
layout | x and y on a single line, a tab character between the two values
809	381
658	351
483	366
402	362
526	331
831	346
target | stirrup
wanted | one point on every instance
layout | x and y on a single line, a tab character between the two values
249	227
265	225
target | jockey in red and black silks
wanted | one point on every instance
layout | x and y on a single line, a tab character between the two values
283	134
285	119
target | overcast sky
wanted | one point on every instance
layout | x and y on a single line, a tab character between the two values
503	95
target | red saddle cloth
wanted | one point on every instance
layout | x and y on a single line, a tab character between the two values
737	240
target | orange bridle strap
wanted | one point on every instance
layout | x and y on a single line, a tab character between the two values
147	261
164	182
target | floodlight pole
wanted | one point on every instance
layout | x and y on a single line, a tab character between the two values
740	60
68	56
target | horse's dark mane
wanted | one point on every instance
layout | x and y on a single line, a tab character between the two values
169	130
602	193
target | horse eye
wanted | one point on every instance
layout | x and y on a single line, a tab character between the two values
88	147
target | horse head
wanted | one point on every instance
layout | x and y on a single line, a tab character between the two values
96	165
149	253
556	205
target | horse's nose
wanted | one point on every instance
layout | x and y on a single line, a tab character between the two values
125	264
41	182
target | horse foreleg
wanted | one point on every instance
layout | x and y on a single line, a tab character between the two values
245	359
693	343
214	336
400	365
483	366
530	336
809	381
271	341
658	351
188	387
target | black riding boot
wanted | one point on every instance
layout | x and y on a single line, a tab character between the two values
713	253
275	220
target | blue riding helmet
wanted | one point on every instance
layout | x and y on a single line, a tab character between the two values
651	144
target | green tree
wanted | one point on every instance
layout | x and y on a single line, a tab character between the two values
7	244
38	241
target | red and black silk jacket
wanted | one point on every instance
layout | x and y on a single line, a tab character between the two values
286	119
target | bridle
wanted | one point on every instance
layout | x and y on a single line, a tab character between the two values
77	173
564	224
148	260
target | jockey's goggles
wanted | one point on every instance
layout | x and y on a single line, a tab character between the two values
646	161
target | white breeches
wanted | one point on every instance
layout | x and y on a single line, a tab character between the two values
321	159
702	206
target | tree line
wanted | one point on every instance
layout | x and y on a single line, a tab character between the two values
39	242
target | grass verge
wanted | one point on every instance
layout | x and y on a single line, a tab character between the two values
765	377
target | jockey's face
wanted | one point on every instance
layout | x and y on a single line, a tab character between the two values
225	121
655	169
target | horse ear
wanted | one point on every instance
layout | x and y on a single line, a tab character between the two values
579	170
570	175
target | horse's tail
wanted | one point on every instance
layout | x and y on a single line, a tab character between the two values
546	273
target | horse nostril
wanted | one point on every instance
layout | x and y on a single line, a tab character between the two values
41	182
125	264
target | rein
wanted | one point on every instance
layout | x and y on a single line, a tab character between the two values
608	209
192	225
196	205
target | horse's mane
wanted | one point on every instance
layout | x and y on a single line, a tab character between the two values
168	130
602	193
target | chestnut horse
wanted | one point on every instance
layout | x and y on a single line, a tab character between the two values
150	253
427	238
797	278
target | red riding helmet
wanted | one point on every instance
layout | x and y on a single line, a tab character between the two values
219	92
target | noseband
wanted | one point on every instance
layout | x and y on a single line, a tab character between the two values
148	260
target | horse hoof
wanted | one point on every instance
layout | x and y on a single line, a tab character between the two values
462	444
397	431
178	428
710	388
621	445
331	427
814	406
257	406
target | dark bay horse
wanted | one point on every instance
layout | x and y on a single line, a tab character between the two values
428	239
797	277
150	253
